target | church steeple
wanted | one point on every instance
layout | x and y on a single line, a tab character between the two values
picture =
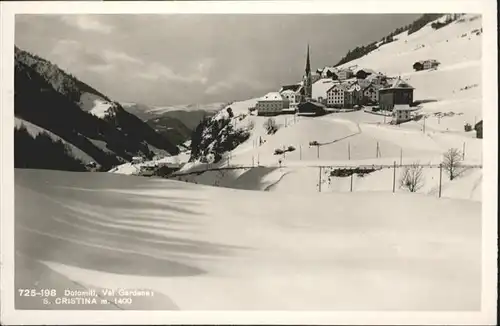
308	78
308	62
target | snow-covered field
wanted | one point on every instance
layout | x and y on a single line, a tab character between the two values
210	248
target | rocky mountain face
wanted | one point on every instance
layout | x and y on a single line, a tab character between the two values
56	101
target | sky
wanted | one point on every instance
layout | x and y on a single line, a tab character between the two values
174	59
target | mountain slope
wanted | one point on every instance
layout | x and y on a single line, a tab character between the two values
171	128
175	123
49	98
446	98
190	115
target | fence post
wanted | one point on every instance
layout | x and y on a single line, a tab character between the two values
351	180
349	151
317	149
463	152
401	157
394	179
300	152
258	159
319	183
440	177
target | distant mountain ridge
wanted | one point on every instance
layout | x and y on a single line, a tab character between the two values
177	122
190	115
56	101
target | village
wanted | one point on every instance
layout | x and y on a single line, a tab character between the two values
333	89
329	90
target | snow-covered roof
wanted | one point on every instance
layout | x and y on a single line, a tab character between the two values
399	84
402	107
342	86
288	91
272	96
294	87
372	85
353	87
428	60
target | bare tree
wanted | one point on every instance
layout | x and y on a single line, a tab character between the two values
452	162
270	126
412	177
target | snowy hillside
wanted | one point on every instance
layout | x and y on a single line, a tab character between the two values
447	98
96	105
34	130
208	248
454	86
50	98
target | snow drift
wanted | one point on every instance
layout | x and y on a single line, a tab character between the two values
208	248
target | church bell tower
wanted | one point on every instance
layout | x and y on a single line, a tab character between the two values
308	78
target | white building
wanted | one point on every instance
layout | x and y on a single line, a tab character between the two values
429	64
344	74
271	104
292	97
370	93
335	96
401	113
344	95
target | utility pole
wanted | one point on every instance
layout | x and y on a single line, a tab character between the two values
317	149
401	157
463	152
394	179
349	151
258	161
319	183
376	154
300	152
424	125
440	177
351	180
